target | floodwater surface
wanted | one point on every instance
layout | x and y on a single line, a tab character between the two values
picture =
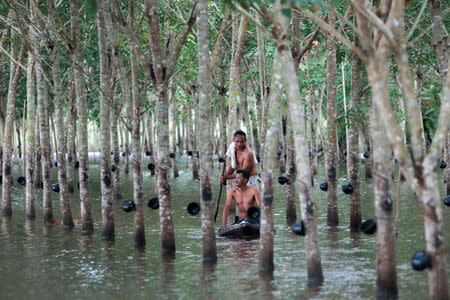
38	262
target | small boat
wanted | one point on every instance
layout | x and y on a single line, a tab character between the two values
243	230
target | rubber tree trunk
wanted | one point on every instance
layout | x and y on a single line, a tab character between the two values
233	92
173	113
191	132
37	153
266	263
117	192
71	131
297	115
264	93
66	213
440	46
331	158
291	169
30	210
43	102
108	233
14	74
204	126
87	224
352	146
139	224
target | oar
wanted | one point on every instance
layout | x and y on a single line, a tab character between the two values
220	191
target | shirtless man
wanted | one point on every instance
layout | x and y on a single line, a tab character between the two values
244	195
243	159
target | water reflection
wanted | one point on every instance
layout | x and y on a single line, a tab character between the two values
6	227
266	285
167	277
139	262
208	280
333	237
355	237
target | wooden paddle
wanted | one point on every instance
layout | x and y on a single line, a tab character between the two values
220	191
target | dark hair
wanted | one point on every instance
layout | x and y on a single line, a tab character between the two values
245	173
240	132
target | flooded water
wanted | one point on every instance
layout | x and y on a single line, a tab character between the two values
37	262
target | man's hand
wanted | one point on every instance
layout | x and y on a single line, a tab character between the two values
222	179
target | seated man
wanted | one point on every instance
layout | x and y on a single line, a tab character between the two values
241	157
244	195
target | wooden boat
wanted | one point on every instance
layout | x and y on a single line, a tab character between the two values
243	230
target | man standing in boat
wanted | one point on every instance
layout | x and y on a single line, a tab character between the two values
242	158
245	196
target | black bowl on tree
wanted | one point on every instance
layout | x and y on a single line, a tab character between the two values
442	165
21	180
55	187
172	155
447	200
151	167
123	154
324	186
189	153
193	208
221	159
299	228
368	226
76	164
128	206
366	154
113	168
282	180
347	188
420	261
148	153
153	203
56	164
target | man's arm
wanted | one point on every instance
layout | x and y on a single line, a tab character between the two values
227	207
228	175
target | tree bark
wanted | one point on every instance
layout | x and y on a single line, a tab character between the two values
331	148
139	224
108	233
266	263
204	123
30	210
297	115
71	132
233	92
60	138
173	113
87	226
352	145
14	74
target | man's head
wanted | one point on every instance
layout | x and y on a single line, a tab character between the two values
242	177
240	138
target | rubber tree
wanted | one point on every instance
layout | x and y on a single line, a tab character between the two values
352	145
279	33
163	63
54	52
204	122
14	75
331	144
30	210
417	167
108	233
87	223
266	244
